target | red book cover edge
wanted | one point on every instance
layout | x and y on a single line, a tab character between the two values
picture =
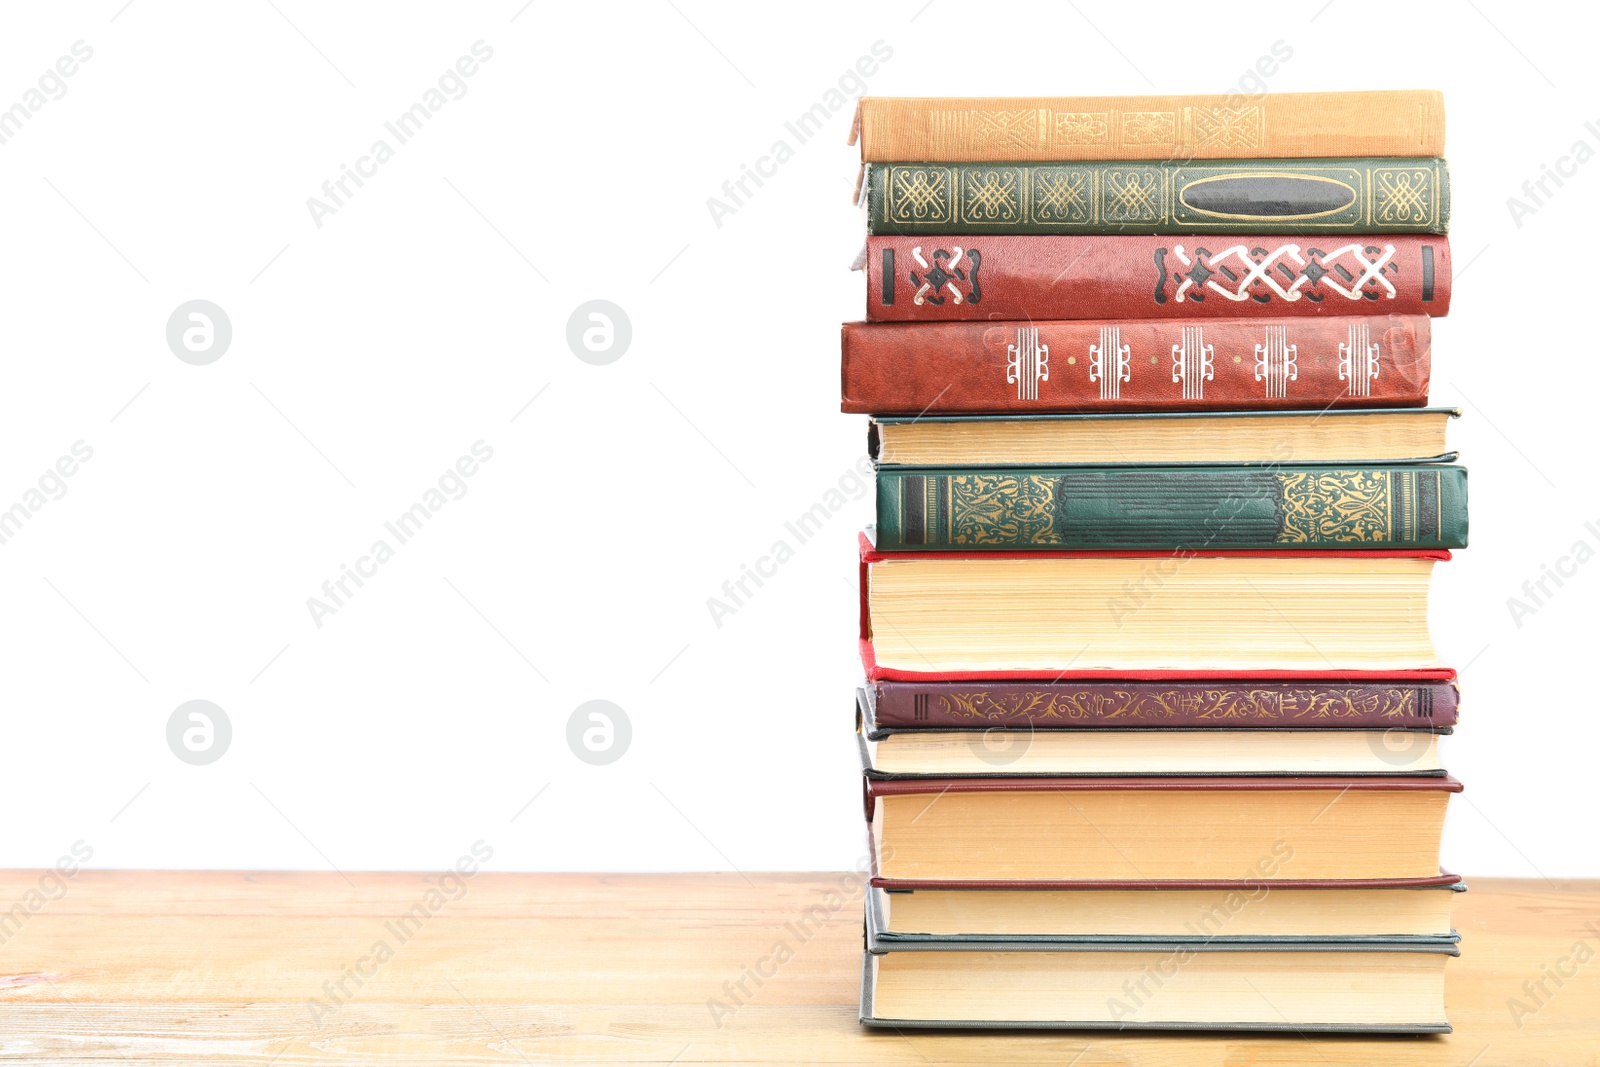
884	787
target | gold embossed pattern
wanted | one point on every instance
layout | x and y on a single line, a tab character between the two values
1336	506
1222	703
1006	509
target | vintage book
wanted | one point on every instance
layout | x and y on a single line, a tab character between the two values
953	278
1345	911
916	673
1192	703
1268	438
1267	126
1124	611
1241	880
1196	507
998	751
1290	196
1154	829
949	368
1379	986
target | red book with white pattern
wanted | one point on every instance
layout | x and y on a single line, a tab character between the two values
1133	365
945	279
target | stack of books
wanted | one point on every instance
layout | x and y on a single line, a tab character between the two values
1151	715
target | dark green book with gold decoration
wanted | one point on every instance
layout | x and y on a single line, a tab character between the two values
1190	506
1289	196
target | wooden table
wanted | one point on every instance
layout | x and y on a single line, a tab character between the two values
293	969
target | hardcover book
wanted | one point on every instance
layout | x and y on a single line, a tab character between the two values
955	278
1339	912
950	368
916	673
1379	985
1192	703
995	751
1173	831
1196	126
1287	196
1268	438
1129	611
1178	507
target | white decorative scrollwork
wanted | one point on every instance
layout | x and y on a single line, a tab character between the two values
1192	363
1284	263
1358	361
1027	363
1275	363
1108	362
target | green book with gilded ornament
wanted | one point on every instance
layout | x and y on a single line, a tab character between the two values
1255	196
1194	507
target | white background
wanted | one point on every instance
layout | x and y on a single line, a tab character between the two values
425	313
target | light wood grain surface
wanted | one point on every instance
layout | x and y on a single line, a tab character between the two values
298	969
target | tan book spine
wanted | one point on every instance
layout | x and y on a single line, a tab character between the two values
1274	125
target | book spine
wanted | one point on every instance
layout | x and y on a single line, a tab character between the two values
1177	508
954	278
1283	196
1121	366
1220	704
1293	125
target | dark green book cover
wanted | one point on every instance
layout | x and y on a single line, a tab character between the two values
1183	507
1255	196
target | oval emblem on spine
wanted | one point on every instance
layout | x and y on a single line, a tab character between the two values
1267	196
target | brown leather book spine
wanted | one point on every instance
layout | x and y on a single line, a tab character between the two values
1208	704
1132	365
